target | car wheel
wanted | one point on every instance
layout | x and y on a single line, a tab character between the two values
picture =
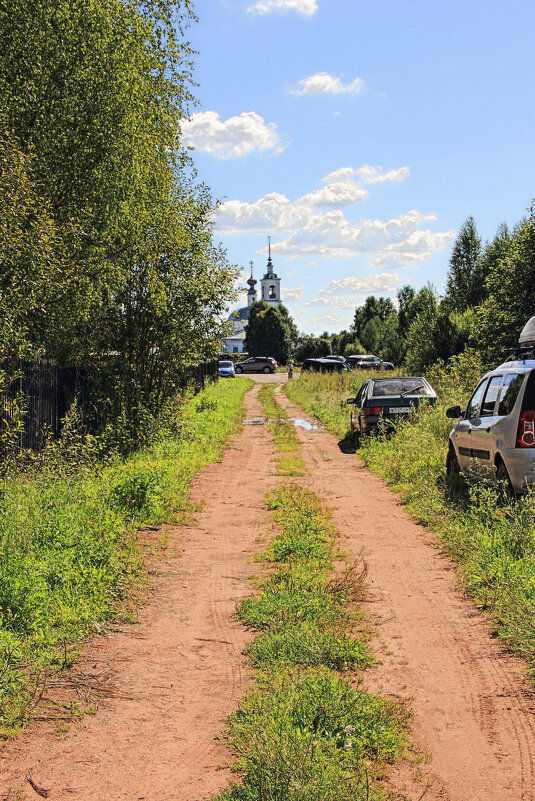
266	370
453	467
238	369
504	482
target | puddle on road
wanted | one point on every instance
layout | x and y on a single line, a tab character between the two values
309	425
300	422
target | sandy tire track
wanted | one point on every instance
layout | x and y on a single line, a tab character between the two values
474	711
177	674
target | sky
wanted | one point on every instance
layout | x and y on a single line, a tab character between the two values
359	136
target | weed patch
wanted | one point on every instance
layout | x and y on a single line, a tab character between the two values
305	731
309	734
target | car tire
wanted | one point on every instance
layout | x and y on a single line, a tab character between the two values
266	370
453	467
504	482
238	369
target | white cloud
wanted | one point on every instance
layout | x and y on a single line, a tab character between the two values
367	174
304	7
336	194
331	322
292	294
344	293
290	272
337	301
233	138
324	83
316	224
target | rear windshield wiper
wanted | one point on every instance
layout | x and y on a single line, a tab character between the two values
412	389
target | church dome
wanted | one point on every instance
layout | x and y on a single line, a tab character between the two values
239	314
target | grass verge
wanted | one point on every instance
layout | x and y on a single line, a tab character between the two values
69	553
493	542
307	730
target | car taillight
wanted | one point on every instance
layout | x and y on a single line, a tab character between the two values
372	410
525	433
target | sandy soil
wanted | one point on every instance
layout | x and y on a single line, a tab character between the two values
174	677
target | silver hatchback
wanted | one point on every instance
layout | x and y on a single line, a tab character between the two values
494	437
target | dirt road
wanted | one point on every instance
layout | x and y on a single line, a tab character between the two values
174	677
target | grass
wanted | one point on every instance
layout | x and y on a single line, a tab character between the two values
283	433
492	541
69	551
307	730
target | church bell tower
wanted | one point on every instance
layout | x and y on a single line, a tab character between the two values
270	283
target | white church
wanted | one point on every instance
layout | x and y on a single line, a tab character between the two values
269	291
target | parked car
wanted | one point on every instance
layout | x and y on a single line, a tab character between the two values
226	369
381	402
368	362
494	437
323	365
256	364
335	358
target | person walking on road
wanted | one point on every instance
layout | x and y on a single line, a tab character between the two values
290	369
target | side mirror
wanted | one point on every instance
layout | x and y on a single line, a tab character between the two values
454	412
350	400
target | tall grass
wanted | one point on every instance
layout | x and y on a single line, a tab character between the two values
68	547
493	542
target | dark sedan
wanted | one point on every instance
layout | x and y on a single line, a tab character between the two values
323	366
381	402
368	362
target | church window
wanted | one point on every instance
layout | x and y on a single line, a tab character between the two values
272	292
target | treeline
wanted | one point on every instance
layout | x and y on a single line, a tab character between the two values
489	296
106	254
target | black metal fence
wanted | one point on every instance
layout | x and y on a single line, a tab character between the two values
44	392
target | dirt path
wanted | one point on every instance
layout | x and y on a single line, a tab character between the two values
177	674
473	711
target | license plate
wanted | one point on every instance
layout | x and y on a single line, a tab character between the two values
399	410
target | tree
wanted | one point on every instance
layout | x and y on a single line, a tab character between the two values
405	296
310	347
372	307
511	292
114	236
465	285
352	347
370	334
392	346
268	332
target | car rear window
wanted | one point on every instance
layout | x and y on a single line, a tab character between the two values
225	364
396	386
509	392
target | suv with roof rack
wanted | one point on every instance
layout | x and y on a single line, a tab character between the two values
494	437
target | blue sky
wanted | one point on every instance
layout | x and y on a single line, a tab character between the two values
360	135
